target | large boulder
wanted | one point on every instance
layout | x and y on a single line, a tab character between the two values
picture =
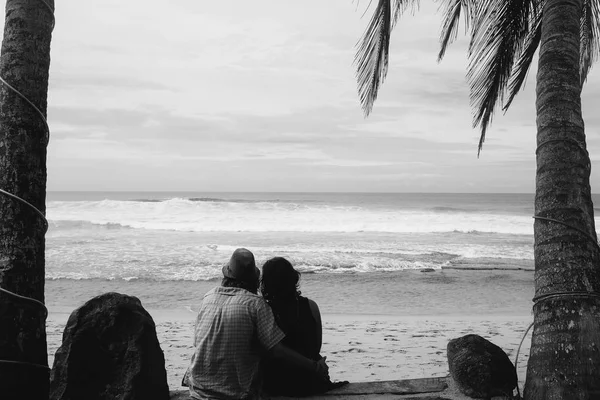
480	368
109	351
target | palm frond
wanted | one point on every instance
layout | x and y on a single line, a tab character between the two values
372	54
452	13
400	6
590	33
498	36
521	68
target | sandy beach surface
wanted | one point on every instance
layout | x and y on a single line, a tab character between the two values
358	347
376	326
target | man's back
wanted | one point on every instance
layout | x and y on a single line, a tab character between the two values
233	328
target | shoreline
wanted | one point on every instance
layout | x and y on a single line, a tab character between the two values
406	292
490	264
463	268
519	265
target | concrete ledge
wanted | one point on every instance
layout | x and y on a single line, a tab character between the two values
441	388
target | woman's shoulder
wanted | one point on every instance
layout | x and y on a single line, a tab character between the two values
306	301
310	305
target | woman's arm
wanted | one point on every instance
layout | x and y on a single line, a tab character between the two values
314	308
281	352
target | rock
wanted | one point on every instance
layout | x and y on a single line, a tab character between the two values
480	368
428	270
109	351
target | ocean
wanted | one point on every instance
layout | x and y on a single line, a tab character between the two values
358	252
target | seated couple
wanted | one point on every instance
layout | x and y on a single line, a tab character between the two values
246	344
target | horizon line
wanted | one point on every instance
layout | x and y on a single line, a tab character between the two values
275	191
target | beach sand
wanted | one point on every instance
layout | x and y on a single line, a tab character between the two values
358	347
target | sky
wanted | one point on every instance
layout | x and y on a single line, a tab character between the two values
197	95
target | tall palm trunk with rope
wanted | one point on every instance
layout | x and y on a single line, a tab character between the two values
565	351
24	65
564	358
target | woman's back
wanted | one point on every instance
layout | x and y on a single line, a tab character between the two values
300	326
300	330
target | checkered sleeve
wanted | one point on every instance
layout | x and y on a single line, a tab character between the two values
269	333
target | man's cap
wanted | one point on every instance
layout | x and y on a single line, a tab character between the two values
241	266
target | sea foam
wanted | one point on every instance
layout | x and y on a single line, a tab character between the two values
195	215
189	238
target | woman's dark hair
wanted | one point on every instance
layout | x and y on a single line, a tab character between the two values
279	286
280	282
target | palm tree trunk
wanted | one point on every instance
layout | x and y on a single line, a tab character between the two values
24	65
564	361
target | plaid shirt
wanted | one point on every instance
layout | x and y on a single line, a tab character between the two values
233	329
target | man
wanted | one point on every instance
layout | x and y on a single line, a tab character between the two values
235	328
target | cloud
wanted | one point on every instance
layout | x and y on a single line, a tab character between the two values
190	95
335	162
110	82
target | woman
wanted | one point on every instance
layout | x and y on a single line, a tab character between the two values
299	318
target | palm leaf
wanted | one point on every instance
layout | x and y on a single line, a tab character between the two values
521	68
498	36
400	6
590	32
452	12
372	55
